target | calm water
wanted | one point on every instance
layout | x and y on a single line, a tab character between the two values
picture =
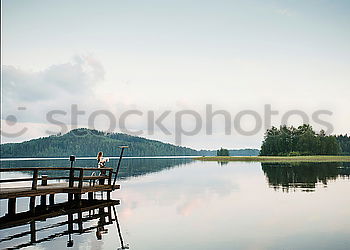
185	204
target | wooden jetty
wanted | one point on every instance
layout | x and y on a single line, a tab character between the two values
88	180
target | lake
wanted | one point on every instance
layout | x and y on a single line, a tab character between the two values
178	203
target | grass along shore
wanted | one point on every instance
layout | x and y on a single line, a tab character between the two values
311	158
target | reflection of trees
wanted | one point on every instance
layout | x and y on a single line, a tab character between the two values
305	176
222	163
137	167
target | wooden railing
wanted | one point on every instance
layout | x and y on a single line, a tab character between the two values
71	177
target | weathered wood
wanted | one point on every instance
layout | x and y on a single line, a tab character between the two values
6	193
77	197
44	180
11	207
80	222
90	196
32	204
52	199
71	188
110	178
35	180
81	176
71	177
95	177
15	180
70	197
47	169
43	183
43	200
32	232
31	179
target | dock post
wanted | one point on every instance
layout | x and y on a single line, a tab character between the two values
11	206
43	183
80	222
110	177
52	199
120	159
71	176
70	226
71	183
77	197
110	220
70	197
32	231
32	204
44	180
35	180
81	176
108	195
43	200
90	196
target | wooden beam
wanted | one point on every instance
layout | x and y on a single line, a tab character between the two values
21	169
7	193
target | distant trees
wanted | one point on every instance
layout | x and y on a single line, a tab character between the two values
222	152
291	141
344	142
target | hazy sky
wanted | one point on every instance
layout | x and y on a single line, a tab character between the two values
174	55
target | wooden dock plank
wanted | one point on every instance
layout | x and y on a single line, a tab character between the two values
53	188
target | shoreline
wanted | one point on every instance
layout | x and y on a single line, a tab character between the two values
311	158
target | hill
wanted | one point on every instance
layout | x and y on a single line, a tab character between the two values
86	142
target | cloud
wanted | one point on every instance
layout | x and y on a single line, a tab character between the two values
30	95
57	81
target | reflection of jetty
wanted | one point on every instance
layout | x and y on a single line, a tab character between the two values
86	211
87	181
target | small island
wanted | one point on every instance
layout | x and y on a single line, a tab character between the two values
289	144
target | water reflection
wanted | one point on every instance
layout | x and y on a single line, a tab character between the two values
68	219
303	175
209	205
222	163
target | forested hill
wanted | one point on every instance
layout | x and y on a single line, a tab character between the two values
86	142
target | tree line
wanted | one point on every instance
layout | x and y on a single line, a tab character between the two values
222	152
87	142
303	140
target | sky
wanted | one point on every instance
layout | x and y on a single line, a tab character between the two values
125	63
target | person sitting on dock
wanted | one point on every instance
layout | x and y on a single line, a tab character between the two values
101	163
